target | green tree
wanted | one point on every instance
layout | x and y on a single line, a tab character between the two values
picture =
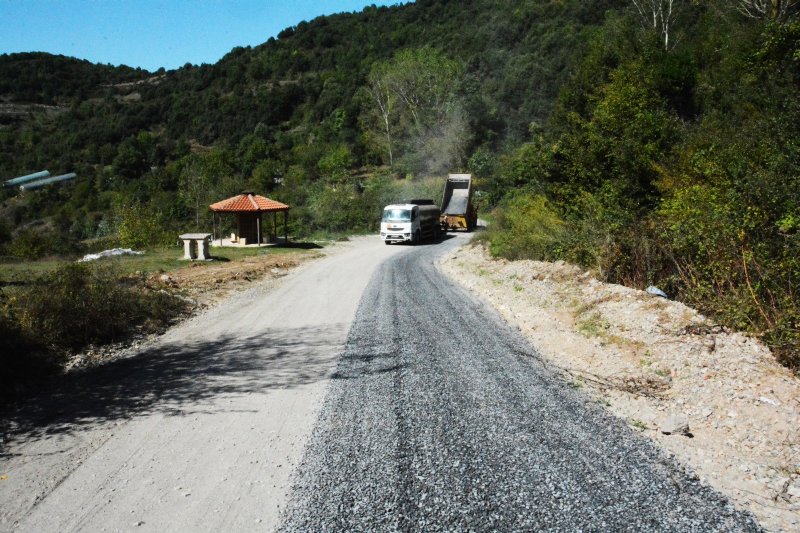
194	187
384	100
416	95
139	226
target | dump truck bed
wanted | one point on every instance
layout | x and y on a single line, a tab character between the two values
457	210
456	194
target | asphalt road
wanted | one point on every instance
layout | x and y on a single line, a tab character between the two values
441	418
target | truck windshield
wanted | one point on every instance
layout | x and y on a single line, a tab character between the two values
396	215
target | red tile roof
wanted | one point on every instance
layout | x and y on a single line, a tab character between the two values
248	202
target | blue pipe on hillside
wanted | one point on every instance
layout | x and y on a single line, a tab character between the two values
27	178
48	181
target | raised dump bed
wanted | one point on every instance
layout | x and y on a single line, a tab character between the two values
457	209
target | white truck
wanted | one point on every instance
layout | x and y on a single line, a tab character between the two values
413	221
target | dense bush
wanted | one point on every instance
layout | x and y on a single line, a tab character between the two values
40	241
676	167
65	311
85	303
141	227
526	227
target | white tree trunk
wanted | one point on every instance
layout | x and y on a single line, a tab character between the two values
768	9
659	16
383	98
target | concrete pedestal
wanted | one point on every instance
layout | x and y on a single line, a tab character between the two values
196	246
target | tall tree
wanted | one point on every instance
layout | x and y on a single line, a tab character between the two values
417	98
425	80
658	15
384	99
193	187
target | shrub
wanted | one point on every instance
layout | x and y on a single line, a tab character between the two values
526	227
140	227
82	303
36	242
67	310
730	263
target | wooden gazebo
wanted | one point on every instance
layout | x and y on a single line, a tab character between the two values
248	208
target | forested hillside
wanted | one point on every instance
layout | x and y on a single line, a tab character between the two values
672	158
293	111
654	145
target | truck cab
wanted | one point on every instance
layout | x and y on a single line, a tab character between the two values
400	223
410	222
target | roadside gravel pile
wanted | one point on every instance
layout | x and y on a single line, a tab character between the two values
714	398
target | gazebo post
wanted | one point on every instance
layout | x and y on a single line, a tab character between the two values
258	228
285	231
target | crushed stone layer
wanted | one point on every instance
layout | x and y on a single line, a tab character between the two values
651	361
440	417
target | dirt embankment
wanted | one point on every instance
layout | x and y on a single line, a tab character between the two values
733	413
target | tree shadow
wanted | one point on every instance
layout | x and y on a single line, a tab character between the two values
300	245
177	379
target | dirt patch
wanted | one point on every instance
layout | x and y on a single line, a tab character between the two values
651	361
210	282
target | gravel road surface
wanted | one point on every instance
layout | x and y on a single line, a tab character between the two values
440	418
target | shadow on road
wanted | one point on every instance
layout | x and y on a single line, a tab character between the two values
177	379
428	242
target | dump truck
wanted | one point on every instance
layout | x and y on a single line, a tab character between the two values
457	209
412	221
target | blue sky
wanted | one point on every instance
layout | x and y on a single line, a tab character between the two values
152	33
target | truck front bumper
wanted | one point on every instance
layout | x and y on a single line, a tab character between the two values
395	237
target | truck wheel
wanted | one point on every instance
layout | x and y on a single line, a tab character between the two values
387	243
416	239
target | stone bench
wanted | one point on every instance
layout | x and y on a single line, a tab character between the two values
196	245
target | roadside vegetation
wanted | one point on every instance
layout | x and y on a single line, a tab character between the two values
68	309
54	308
675	165
653	146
